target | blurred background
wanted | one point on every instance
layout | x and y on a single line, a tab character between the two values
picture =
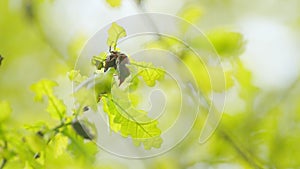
258	42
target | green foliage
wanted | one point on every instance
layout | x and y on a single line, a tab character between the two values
103	82
262	133
85	97
149	72
191	13
82	150
124	118
59	144
247	91
213	78
227	43
115	32
5	111
75	76
56	107
133	123
99	60
114	3
74	49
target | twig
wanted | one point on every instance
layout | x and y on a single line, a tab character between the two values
55	129
239	150
4	161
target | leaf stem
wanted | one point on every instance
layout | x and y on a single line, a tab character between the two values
61	125
56	130
4	160
244	153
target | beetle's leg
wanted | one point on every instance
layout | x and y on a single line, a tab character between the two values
109	49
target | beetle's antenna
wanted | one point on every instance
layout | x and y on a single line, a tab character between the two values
109	49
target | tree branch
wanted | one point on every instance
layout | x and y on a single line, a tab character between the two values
4	161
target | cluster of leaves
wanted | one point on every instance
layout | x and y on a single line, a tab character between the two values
211	78
263	134
115	59
254	132
44	144
124	117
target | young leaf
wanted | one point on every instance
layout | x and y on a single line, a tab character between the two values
114	3
59	144
85	98
132	123
56	107
36	142
99	60
103	82
75	76
81	149
43	88
149	72
115	32
90	91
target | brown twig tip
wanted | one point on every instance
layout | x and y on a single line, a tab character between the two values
1	59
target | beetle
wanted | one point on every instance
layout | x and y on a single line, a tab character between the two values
118	61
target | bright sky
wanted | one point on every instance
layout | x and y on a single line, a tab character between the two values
271	52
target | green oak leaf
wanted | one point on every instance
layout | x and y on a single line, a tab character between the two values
130	122
149	72
115	32
98	61
89	92
75	76
59	144
103	82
